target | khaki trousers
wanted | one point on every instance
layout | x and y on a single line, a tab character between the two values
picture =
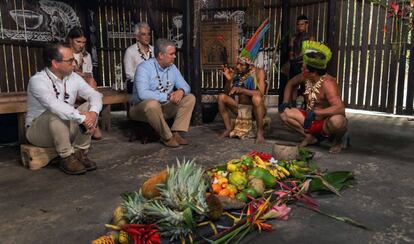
48	130
155	113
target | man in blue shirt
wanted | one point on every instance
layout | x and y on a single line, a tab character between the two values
160	92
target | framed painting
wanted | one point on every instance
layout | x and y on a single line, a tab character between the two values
219	44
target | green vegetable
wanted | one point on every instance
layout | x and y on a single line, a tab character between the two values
268	179
241	196
250	191
248	161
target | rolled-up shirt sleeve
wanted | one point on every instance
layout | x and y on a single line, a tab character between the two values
92	96
142	84
180	82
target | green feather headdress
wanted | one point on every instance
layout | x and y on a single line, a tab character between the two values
316	54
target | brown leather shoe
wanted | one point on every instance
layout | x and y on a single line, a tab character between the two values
179	139
71	165
82	156
171	142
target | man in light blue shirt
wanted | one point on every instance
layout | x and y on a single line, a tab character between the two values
160	92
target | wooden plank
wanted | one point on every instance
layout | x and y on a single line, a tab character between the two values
387	65
11	108
371	57
347	78
392	78
356	54
364	54
401	81
410	86
341	47
4	76
378	57
333	35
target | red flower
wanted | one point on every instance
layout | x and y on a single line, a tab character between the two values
143	234
264	156
395	7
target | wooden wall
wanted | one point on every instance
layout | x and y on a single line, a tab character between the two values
108	24
373	71
316	11
372	65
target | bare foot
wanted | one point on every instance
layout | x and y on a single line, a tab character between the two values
224	134
309	140
336	148
259	138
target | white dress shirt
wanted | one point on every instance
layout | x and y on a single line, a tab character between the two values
85	60
133	57
41	96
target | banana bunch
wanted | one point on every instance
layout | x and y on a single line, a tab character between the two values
258	162
298	169
279	172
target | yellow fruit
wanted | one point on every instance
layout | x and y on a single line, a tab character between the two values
104	240
123	237
232	188
231	167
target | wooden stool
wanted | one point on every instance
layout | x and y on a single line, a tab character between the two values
34	157
246	112
142	131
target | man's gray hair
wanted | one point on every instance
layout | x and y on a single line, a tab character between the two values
139	26
161	46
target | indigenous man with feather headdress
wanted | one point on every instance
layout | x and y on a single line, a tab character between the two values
325	112
248	83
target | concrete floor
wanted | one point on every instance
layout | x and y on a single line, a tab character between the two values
47	206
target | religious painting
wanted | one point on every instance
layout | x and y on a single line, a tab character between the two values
219	44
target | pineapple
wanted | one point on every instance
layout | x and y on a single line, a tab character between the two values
182	202
133	206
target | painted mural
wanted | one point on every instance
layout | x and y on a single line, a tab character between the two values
44	22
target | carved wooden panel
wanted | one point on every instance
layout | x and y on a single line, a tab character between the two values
219	44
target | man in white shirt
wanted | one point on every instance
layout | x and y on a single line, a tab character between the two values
137	53
52	120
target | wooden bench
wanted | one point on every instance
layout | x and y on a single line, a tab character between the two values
34	157
15	102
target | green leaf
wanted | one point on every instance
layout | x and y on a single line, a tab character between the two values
188	218
305	154
331	181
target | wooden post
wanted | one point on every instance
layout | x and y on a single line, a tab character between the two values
284	51
331	38
192	59
21	127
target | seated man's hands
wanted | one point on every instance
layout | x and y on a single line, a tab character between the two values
281	108
90	120
310	117
236	90
176	96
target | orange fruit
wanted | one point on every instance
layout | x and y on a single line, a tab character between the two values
216	188
224	192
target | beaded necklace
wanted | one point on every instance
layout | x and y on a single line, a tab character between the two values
311	90
161	86
143	56
66	95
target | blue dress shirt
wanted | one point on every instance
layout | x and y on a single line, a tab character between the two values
153	82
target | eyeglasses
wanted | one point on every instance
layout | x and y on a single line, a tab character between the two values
145	34
69	61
